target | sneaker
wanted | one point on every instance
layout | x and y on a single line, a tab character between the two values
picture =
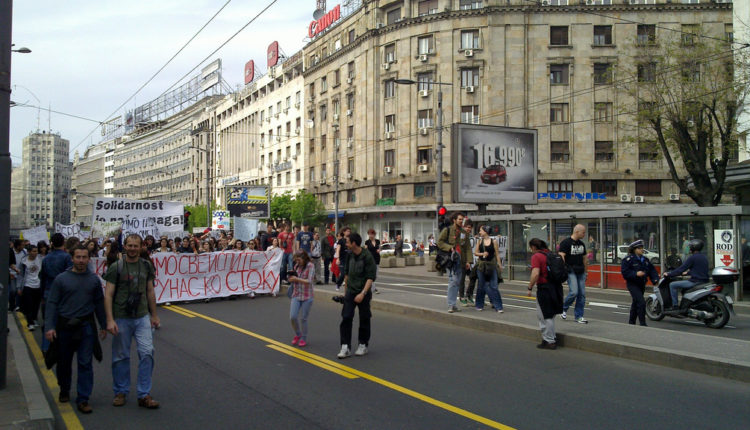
63	397
17	309
302	343
147	402
564	315
499	311
252	294
376	291
582	320
361	350
345	352
470	301
85	408
453	309
463	301
547	345
295	340
119	400
30	327
337	289
478	309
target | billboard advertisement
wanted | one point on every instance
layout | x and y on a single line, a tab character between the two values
248	202
273	54
249	71
495	165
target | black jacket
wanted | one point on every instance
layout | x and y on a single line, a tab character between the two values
632	265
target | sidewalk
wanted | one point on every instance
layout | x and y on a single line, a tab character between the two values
23	404
715	356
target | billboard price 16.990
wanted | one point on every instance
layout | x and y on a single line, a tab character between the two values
494	164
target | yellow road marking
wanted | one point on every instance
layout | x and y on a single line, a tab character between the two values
521	297
313	362
179	311
66	409
281	347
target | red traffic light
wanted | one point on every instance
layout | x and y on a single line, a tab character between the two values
441	211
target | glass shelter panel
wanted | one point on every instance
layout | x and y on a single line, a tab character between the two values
564	229
618	234
519	254
744	258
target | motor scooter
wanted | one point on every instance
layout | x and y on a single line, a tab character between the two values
703	302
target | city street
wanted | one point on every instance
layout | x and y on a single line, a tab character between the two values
228	364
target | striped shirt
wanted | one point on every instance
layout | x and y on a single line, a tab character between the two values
303	291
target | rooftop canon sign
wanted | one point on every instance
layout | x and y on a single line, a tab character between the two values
317	27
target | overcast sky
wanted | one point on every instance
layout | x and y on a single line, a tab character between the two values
89	56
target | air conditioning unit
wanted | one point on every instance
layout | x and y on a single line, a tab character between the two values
624	198
276	115
296	105
261	145
323	181
545	3
674	197
349	143
380	25
348	176
470	89
638	199
286	110
268	118
311	98
423	58
387	169
423	131
349	81
424	93
423	167
386	66
469	53
349	112
294	157
388	135
335	117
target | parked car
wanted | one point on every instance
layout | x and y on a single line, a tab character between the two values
622	252
494	174
389	248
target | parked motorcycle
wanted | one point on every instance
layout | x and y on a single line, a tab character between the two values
703	302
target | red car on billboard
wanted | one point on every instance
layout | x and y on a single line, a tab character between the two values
494	174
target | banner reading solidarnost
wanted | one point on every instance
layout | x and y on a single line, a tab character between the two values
182	277
169	216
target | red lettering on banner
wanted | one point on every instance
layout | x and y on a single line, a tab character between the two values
101	266
193	264
188	288
317	27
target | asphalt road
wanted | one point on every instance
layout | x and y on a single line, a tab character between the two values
607	305
227	365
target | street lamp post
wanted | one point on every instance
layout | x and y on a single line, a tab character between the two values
439	150
336	179
38	102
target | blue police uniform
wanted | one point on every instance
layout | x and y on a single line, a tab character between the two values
631	265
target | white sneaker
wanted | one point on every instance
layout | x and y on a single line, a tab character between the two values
345	352
582	320
361	350
564	315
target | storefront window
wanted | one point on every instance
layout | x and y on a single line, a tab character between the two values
520	256
618	234
744	258
564	229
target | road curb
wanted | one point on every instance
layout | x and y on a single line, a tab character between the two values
708	365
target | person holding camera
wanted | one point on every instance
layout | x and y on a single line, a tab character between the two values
301	278
129	299
359	274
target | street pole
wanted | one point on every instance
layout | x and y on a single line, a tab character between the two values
336	182
6	21
439	155
209	218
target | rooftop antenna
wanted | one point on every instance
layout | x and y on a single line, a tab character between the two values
49	117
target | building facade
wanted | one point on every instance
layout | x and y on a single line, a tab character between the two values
548	66
88	181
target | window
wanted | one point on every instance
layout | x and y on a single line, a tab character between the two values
602	74
558	112
278	180
606	187
470	77
323	113
351	196
297	98
390	123
393	15
350	70
323	84
352	36
424	155
336	78
559	152
350	132
336	107
470	114
689	33
350	101
390	157
390	88
558	35
323	141
424	81
323	172
729	33
312	146
648	151
469	4
298	175
288	102
312	174
470	39
324	198
278	108
603	112
288	178
691	72
297	149
558	73
424	190
560	186
426	45
427	7
646	72
648	187
604	151
646	34
424	118
388	192
602	35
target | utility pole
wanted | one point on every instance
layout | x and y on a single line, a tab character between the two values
439	155
336	179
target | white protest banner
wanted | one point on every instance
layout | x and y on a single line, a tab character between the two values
68	230
142	227
169	216
182	277
724	255
221	220
36	234
245	229
84	235
105	229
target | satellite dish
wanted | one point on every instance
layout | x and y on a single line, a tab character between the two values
318	14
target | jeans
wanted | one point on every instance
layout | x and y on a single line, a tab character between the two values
679	285
140	328
327	268
577	285
32	297
299	310
347	319
317	263
456	273
638	306
13	294
489	287
286	264
84	349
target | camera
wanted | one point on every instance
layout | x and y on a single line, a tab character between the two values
338	299
131	306
291	273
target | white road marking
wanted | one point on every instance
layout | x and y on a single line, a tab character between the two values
604	305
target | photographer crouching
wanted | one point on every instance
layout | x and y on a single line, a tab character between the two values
359	274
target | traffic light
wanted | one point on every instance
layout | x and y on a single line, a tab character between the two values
442	211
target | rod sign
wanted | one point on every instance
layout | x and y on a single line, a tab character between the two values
317	27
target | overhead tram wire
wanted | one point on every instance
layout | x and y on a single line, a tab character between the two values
157	72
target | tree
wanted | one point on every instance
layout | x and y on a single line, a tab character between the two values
307	208
281	206
688	92
198	216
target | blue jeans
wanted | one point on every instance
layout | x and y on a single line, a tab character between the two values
140	328
679	285
489	287
456	274
13	294
298	312
286	264
84	350
577	285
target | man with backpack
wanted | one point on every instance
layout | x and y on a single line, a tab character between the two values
573	252
547	271
455	240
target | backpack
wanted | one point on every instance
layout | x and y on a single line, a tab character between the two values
557	271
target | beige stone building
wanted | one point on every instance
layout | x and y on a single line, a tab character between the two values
514	63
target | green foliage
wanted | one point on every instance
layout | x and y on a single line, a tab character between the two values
281	206
306	208
198	215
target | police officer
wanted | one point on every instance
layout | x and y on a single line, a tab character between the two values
637	269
